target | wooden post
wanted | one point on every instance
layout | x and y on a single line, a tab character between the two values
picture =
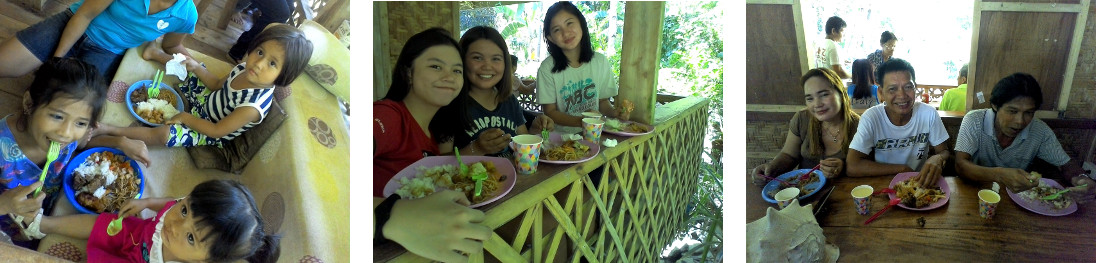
639	57
381	64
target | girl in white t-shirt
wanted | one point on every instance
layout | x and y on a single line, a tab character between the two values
575	79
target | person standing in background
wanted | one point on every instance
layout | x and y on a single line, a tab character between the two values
888	41
827	54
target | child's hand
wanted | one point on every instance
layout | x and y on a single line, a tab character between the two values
542	122
178	119
439	227
15	200
191	64
492	141
137	150
133	207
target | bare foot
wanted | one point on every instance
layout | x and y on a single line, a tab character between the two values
154	52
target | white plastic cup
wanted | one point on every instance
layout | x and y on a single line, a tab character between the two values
785	197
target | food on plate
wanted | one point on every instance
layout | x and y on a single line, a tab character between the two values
631	127
804	185
915	196
104	182
448	176
1035	195
154	110
625	108
568	151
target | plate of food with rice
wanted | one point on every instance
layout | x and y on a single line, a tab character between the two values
627	128
1032	199
568	151
152	111
436	173
807	187
101	180
918	198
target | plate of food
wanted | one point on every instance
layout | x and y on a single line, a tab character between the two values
568	151
1030	199
809	187
152	111
627	128
435	173
917	198
101	180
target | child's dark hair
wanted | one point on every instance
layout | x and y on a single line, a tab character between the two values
892	65
492	35
450	119
298	50
835	23
862	78
236	227
1014	86
514	61
586	50
68	78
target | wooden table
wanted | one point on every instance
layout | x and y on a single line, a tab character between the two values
953	232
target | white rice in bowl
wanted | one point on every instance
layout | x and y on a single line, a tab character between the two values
157	104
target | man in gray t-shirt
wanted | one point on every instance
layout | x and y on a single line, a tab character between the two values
997	144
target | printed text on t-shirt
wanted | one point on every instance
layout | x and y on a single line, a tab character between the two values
575	92
897	143
490	122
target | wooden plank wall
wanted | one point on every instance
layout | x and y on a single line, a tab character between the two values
639	57
1030	42
773	62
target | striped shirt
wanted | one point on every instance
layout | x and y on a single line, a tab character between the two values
976	137
222	102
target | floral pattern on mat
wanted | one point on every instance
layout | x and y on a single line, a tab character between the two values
117	92
273	212
66	251
280	93
310	259
267	153
322	132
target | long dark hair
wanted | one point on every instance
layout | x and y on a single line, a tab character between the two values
67	78
490	34
298	50
814	128
586	50
862	78
451	118
236	227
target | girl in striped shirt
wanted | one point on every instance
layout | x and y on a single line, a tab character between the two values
237	102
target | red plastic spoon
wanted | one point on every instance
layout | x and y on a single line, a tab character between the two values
892	203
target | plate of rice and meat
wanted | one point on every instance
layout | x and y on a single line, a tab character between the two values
917	198
436	173
101	180
568	152
807	187
152	111
1031	199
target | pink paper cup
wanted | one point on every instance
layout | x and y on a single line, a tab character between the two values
591	131
987	203
861	196
526	152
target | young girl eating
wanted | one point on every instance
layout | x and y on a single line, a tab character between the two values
59	107
217	222
494	110
575	79
223	111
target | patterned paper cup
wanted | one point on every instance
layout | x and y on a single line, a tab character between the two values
785	197
861	196
987	203
592	129
526	152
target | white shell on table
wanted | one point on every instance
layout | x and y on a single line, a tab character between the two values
788	235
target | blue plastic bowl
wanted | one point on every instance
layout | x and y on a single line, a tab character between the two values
79	159
145	83
812	188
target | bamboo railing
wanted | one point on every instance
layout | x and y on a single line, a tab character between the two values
630	215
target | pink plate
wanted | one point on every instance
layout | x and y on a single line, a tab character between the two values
557	139
1038	206
504	167
650	129
943	187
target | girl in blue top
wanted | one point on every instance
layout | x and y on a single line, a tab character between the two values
493	109
65	98
234	104
99	32
861	97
